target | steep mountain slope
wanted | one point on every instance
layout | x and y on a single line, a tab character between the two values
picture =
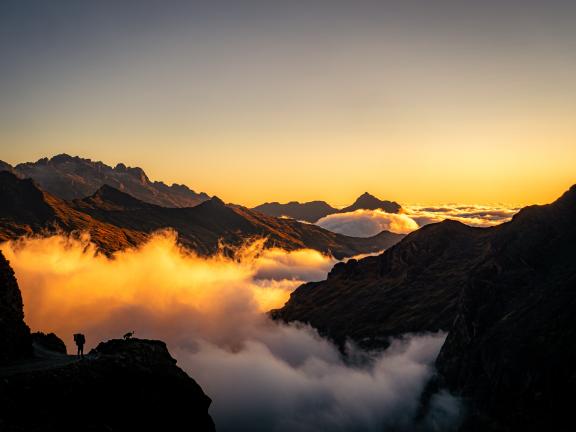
308	211
70	177
412	287
26	210
116	220
314	210
512	349
506	294
131	385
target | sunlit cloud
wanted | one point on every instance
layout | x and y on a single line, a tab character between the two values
261	375
367	223
473	215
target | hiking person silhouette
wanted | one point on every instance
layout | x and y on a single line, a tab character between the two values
80	340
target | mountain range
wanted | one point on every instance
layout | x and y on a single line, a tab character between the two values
314	210
116	220
69	177
506	295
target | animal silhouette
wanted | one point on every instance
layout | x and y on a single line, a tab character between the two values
128	335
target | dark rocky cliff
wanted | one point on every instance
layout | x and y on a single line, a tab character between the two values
512	349
15	340
506	295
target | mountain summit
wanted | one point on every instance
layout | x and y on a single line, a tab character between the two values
367	201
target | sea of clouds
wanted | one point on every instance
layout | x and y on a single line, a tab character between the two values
261	375
367	223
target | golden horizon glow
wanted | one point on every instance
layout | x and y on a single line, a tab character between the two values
462	102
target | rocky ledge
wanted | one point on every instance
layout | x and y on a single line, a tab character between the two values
131	385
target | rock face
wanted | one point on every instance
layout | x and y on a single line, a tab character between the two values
506	295
122	385
15	341
116	220
314	210
68	177
512	349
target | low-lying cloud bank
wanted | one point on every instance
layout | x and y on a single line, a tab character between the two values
261	375
473	215
367	223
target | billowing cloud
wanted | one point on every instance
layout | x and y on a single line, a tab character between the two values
261	375
473	215
367	223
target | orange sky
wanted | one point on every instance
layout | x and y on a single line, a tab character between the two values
421	103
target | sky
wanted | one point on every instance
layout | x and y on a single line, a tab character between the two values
422	102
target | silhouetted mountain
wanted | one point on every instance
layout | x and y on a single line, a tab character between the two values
412	287
370	202
116	220
506	294
70	177
308	211
512	349
314	210
131	385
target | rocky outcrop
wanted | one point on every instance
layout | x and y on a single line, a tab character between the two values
69	177
15	341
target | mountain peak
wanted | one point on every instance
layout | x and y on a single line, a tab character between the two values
367	201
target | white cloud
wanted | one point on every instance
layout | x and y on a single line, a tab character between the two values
367	223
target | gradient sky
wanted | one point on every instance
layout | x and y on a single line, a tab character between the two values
418	101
